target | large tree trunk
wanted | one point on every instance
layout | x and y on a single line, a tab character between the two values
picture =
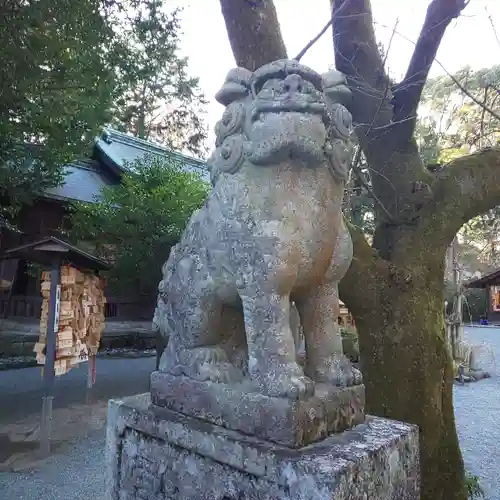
406	364
409	377
395	288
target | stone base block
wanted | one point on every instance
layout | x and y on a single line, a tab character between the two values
159	454
287	422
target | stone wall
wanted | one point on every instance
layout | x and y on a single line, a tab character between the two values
158	454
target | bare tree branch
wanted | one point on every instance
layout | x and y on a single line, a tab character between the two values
359	176
465	188
407	94
358	57
490	18
452	78
483	112
483	105
357	157
254	32
301	54
389	45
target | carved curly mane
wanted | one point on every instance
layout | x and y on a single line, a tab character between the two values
239	95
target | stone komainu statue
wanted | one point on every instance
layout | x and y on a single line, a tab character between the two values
270	232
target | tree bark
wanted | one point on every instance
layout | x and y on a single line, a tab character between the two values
407	367
399	316
407	323
399	307
406	363
254	32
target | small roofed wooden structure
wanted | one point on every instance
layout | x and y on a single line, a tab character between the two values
490	282
345	317
53	253
43	251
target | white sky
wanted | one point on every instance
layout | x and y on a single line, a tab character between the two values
470	40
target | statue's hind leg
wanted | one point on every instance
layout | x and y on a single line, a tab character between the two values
195	350
319	311
326	362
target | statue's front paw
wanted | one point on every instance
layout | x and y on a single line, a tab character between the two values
336	370
286	382
223	373
206	364
292	387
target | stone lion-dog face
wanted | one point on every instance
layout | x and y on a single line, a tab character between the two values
283	111
270	233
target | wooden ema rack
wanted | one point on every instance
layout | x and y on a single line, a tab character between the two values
81	318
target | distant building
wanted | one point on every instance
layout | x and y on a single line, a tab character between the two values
345	318
491	282
84	179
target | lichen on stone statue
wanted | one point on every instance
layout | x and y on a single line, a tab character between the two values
271	232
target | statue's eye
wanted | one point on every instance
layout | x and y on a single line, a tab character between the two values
271	85
311	92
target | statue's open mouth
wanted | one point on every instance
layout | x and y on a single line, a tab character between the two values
263	109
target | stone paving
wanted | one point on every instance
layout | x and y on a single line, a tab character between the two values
477	413
79	474
21	390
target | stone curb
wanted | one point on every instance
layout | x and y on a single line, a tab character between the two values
12	364
18	362
482	326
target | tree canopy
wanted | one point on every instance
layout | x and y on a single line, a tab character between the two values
55	91
154	96
454	124
67	69
134	224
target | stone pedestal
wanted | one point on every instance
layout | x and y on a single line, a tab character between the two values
159	454
239	407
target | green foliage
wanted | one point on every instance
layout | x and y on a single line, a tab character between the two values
135	224
350	343
358	206
55	91
474	490
428	140
154	97
68	68
450	125
461	124
475	303
453	125
484	231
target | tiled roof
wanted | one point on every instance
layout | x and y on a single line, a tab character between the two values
83	181
85	178
490	279
122	148
42	251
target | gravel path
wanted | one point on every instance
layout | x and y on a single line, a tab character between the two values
477	413
79	474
